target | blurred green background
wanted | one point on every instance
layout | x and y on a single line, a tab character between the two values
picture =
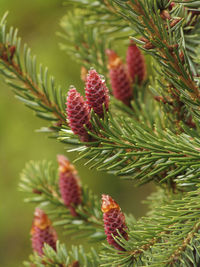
38	21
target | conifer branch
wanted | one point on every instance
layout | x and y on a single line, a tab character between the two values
132	151
142	147
100	13
75	257
165	41
37	91
94	30
170	236
40	181
84	43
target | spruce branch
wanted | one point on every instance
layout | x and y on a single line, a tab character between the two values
142	147
40	181
164	39
101	14
84	43
95	29
170	237
131	150
37	91
63	258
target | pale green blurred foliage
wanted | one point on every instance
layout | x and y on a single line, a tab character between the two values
38	21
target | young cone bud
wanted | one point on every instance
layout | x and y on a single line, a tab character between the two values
78	114
119	78
135	63
96	93
69	184
42	232
114	221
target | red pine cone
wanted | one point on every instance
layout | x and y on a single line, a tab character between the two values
114	220
96	93
69	184
42	232
135	63
78	114
119	78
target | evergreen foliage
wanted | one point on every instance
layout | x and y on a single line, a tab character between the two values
155	138
40	181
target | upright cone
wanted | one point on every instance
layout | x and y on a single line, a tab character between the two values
69	184
78	114
42	232
135	63
114	221
119	78
96	93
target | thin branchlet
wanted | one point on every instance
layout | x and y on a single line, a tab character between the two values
34	89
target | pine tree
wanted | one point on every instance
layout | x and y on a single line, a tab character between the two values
151	135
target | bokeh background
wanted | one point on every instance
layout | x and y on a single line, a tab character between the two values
38	21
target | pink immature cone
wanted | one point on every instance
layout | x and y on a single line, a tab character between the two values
114	221
96	93
135	63
69	184
119	78
42	232
78	115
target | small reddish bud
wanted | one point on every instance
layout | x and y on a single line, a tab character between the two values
164	14
114	221
135	63
78	114
182	57
36	191
148	45
119	78
7	52
12	50
160	99
174	22
173	47
69	184
96	93
42	232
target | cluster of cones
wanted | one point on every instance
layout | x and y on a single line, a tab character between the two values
78	110
42	230
122	77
